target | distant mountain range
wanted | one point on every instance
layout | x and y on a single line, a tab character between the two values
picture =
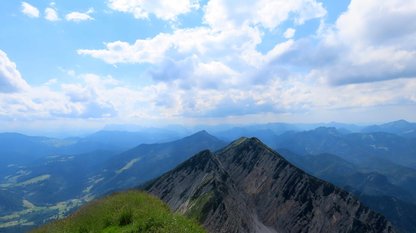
45	178
18	149
354	147
400	127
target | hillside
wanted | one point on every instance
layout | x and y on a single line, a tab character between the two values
148	161
130	211
247	187
353	147
55	185
386	188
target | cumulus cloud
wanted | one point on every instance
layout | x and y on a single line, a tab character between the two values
231	35
10	78
375	23
379	44
266	13
369	42
218	63
51	14
180	44
90	97
274	97
84	100
166	10
30	10
80	16
150	51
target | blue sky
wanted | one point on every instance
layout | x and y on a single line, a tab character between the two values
85	64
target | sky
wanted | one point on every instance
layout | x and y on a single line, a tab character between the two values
86	64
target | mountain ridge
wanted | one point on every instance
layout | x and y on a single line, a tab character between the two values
147	161
275	195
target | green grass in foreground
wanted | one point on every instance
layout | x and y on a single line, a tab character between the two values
126	212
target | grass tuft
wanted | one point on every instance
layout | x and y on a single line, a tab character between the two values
128	212
126	217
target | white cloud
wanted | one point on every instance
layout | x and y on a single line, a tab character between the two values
85	100
30	10
220	66
166	10
289	33
142	51
88	99
10	78
230	36
371	41
266	13
51	14
178	45
375	22
51	82
80	16
274	97
213	63
90	96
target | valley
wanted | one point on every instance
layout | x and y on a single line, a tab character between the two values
54	185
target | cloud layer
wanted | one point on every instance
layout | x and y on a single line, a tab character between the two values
367	44
220	68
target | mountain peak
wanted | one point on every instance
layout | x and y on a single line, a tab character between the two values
402	121
200	135
399	122
326	130
246	142
247	187
251	140
202	132
248	149
399	127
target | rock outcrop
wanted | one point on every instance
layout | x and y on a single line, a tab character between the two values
247	187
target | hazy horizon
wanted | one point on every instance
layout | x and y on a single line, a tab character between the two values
186	129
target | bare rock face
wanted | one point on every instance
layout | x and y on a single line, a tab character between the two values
201	188
247	187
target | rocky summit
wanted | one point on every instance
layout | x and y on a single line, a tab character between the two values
247	187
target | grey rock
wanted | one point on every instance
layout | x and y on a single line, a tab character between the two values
247	187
